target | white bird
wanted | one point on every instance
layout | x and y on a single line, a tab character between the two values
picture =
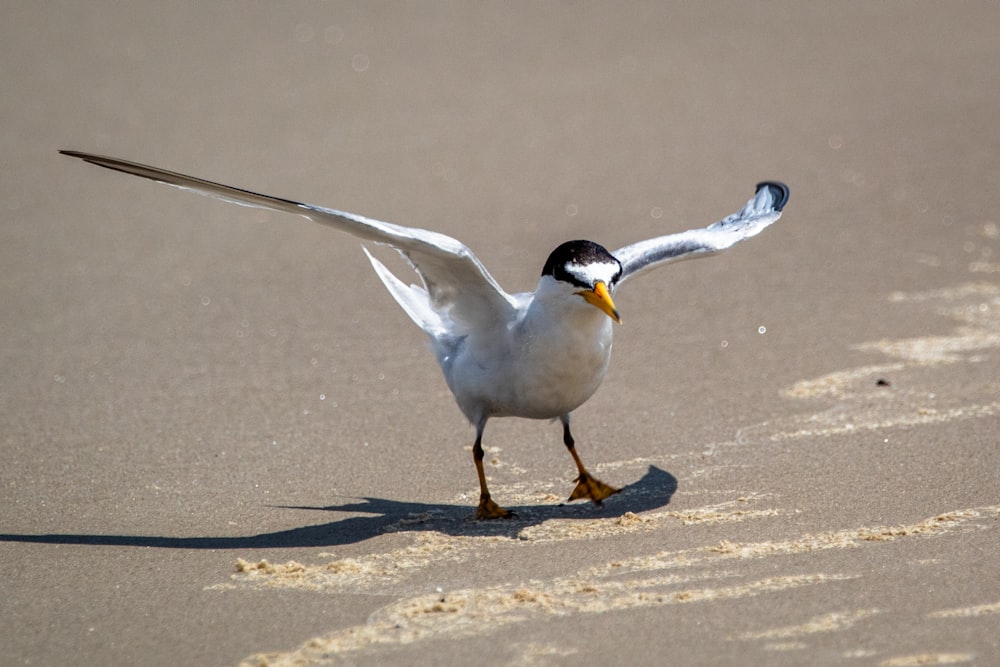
538	355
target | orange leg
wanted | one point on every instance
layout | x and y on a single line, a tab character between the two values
487	509
587	486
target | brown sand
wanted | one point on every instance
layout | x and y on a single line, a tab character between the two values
224	443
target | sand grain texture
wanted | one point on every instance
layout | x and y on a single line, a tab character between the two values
224	444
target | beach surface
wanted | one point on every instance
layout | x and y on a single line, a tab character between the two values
224	444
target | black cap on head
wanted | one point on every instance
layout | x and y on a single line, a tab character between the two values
569	262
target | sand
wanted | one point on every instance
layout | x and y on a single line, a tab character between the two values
224	444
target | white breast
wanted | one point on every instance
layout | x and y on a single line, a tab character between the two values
545	365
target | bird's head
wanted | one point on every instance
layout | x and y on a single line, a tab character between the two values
590	270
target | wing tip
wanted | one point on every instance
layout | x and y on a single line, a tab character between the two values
101	161
76	154
778	190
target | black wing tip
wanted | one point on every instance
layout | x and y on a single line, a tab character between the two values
778	190
86	157
115	164
72	153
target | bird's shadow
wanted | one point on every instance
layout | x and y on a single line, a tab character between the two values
651	492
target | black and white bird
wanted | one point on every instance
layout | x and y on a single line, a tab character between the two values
538	355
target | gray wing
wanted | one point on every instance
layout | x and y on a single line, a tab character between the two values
459	287
764	209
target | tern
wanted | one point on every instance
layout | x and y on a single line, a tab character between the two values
537	355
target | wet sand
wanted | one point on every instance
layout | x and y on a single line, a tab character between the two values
224	444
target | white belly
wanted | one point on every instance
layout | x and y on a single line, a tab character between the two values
527	374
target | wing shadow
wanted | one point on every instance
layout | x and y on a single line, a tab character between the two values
653	491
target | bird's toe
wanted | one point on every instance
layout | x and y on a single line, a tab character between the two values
488	510
593	489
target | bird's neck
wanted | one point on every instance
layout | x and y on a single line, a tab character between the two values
555	310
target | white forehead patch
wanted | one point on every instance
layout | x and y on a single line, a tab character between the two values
591	272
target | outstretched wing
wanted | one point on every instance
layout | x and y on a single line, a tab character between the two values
761	211
459	288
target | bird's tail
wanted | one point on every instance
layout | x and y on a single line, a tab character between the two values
413	299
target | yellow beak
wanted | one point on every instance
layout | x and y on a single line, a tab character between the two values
601	299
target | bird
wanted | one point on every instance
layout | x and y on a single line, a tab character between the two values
535	355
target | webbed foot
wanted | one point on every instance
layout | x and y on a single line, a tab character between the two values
488	509
592	489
